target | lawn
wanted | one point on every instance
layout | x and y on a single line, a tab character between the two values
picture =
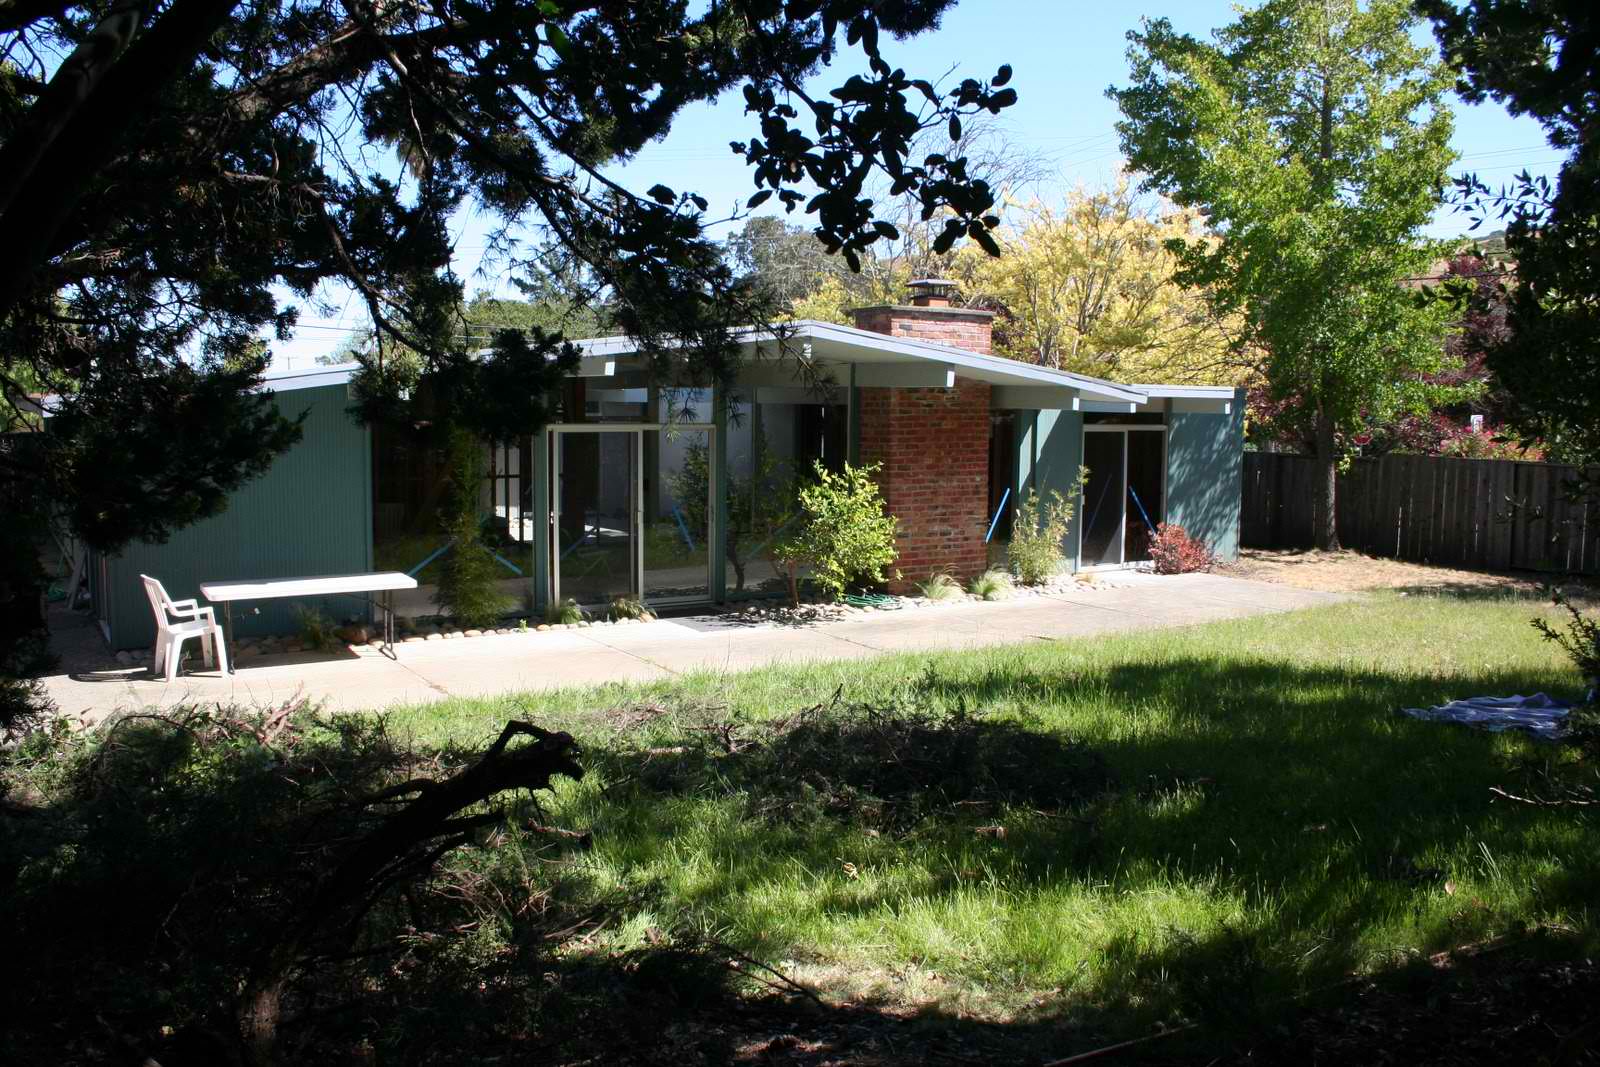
1241	816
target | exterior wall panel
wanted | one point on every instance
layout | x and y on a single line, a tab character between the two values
310	514
1049	453
1205	458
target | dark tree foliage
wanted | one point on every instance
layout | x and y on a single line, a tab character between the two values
170	168
1542	58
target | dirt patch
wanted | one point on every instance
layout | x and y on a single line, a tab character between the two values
1353	572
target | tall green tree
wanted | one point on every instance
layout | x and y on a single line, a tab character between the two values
1542	59
1314	137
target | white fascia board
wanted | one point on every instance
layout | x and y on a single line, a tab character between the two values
905	375
1105	407
595	367
1201	405
1189	392
1034	397
285	381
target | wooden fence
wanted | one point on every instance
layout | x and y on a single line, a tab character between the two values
1474	513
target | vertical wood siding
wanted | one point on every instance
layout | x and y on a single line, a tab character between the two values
1203	476
311	513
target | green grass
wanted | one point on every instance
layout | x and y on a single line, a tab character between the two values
1272	824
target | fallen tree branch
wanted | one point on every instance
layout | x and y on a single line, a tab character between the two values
1539	802
402	844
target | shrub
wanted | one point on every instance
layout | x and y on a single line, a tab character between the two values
1038	532
316	629
468	590
564	613
270	863
1580	639
1173	551
991	585
841	532
939	587
628	607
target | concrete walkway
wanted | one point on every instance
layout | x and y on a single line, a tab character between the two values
496	664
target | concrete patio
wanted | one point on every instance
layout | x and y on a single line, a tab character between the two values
520	662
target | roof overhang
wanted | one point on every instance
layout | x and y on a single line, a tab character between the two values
808	354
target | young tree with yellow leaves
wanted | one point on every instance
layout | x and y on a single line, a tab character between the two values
1088	287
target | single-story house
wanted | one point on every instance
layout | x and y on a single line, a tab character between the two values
620	496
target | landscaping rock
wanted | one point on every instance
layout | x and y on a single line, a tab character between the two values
542	627
472	633
434	636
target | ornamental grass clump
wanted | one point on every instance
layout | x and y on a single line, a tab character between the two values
939	587
991	585
564	613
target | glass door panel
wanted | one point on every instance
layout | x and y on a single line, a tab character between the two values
595	547
1146	453
677	520
1103	500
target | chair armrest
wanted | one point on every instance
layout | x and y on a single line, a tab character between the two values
189	609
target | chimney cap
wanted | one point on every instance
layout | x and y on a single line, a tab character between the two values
927	292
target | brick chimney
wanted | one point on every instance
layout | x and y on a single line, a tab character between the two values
933	444
930	317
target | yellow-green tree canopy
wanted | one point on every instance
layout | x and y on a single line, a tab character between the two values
1088	287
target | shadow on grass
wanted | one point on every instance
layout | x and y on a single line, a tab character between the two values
1317	829
1276	827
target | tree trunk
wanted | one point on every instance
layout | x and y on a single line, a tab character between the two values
258	1021
1326	526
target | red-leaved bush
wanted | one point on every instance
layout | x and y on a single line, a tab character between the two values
1173	551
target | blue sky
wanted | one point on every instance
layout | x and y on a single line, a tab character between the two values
1064	56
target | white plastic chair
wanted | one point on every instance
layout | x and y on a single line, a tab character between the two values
176	622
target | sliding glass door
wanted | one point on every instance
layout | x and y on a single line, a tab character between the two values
631	513
1123	499
596	515
1103	499
677	527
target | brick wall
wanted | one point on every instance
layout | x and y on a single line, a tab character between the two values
956	327
934	447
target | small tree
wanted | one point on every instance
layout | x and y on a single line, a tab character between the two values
1040	531
1315	138
842	531
467	591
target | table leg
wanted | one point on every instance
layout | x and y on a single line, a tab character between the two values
388	624
227	631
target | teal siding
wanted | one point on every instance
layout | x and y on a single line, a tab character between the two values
1205	460
1049	453
311	513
